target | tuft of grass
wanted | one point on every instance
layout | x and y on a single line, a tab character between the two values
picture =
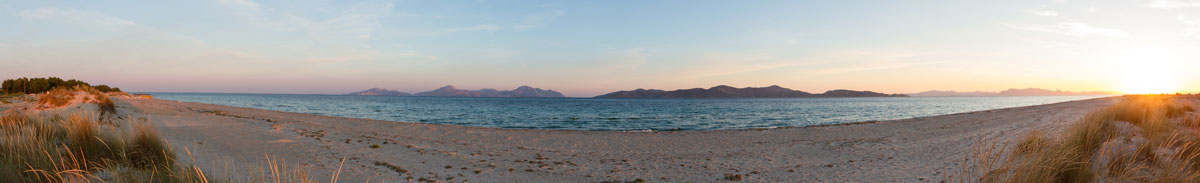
1034	142
106	104
83	134
147	149
101	98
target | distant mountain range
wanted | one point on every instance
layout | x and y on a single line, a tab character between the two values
1009	92
520	92
723	91
450	91
380	92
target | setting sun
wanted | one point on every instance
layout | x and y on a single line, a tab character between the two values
1146	83
1148	70
1145	79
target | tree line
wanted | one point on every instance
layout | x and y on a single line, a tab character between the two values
40	85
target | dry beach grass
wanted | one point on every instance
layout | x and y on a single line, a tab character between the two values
57	143
1142	138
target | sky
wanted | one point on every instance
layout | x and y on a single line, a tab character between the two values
588	48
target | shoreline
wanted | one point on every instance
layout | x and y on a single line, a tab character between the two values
907	150
940	115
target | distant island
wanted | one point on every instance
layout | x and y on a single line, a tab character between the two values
1009	92
450	91
723	91
380	92
520	92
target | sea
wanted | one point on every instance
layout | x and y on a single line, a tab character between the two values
618	114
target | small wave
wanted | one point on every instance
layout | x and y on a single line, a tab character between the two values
638	131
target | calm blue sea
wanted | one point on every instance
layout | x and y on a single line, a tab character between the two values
618	114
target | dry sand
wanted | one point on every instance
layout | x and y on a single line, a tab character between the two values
927	149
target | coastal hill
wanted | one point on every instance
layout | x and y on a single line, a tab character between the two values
380	92
723	91
520	92
1009	92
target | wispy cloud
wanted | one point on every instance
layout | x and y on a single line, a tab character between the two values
1046	44
538	19
76	16
527	22
1077	29
485	27
1043	13
378	27
1191	27
341	34
1173	4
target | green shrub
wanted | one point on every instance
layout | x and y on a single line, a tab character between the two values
39	85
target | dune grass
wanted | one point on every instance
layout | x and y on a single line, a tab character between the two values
53	148
57	97
62	96
1142	138
81	146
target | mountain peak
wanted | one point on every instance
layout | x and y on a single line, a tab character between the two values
853	93
722	88
376	91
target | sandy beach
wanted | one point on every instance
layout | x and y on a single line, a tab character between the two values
926	149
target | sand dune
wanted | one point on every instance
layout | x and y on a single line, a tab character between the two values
910	150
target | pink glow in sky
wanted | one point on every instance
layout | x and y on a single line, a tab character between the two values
589	48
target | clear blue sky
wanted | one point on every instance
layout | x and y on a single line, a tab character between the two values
586	48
